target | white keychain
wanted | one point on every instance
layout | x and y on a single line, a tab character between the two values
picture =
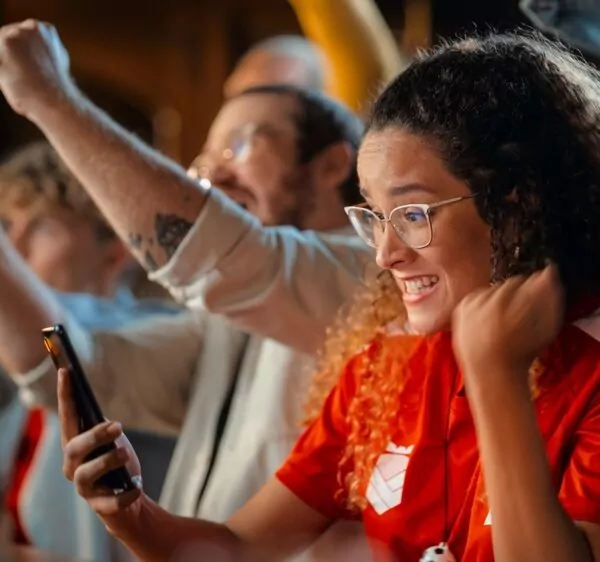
439	553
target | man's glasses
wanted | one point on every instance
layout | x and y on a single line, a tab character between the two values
241	145
412	223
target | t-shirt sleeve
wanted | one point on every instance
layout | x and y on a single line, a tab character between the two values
580	489
312	471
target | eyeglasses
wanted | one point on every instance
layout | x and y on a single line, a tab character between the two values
412	223
241	145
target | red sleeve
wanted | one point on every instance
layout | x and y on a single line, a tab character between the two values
580	489
311	470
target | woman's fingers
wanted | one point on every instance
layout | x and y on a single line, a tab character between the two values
78	449
87	475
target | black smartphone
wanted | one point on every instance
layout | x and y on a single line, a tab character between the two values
63	355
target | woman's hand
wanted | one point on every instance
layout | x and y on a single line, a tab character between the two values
118	512
499	331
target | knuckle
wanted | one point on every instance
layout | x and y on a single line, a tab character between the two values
68	451
107	462
82	445
66	470
99	505
81	483
31	24
11	37
96	437
6	29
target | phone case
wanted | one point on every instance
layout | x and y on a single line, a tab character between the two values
63	355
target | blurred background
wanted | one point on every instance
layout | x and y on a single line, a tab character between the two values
158	67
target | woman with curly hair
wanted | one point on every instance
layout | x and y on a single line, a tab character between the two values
465	424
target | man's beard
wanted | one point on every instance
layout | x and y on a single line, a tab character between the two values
299	202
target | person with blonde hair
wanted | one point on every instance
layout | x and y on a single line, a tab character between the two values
55	248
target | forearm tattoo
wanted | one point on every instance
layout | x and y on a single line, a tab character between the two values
169	231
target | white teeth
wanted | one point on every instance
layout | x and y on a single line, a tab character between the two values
415	286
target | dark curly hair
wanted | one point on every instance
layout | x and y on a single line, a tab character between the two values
517	118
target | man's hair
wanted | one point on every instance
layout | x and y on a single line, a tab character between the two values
321	122
35	174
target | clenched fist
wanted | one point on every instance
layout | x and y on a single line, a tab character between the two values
502	329
34	67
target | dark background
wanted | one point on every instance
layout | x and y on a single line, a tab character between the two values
158	65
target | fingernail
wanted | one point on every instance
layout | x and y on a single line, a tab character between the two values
122	454
137	482
114	429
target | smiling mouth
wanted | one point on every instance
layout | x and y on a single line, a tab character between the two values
418	287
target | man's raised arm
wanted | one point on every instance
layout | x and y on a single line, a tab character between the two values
266	280
147	198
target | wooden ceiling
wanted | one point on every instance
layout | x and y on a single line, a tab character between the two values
163	62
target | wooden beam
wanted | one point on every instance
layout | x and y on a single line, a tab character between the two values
417	32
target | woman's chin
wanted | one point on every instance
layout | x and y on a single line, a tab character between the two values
426	325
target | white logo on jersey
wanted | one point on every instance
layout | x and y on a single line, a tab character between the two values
387	481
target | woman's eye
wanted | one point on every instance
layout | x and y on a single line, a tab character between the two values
414	215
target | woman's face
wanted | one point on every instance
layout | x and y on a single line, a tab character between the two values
397	168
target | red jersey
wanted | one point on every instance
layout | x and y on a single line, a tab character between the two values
428	482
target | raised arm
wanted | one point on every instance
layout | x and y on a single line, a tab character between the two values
497	334
26	306
207	251
146	197
357	42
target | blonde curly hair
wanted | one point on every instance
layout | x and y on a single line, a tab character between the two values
35	175
365	323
